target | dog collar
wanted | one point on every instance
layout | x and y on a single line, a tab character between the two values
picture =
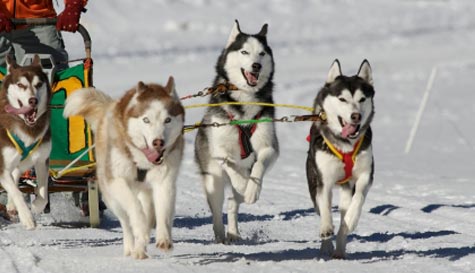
245	134
348	159
23	150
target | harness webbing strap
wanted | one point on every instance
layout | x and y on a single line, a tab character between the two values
141	174
348	159
245	134
23	150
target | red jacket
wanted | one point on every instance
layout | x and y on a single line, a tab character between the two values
30	8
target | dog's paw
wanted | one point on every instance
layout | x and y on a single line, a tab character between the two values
139	254
338	255
233	238
28	222
12	216
326	232
38	205
164	245
253	190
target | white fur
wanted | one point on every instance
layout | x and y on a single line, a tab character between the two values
335	108
136	204
238	59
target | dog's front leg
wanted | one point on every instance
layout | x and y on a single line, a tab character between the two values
11	209
346	194
164	195
16	196
264	159
41	199
362	186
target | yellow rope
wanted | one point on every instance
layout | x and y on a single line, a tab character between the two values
55	173
309	109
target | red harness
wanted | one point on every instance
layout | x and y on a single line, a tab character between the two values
245	134
348	159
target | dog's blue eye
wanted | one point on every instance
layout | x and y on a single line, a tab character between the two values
244	52
168	120
146	120
342	99
262	53
362	100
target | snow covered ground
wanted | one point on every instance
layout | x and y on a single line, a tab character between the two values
419	215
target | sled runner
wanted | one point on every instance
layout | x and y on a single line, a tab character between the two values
72	160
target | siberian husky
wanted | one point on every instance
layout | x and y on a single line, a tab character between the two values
340	152
139	147
238	155
25	139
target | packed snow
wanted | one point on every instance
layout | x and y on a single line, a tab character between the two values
418	216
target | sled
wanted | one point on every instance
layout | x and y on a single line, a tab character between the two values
72	159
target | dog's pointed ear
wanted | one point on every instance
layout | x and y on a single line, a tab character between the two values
335	71
234	33
11	64
141	87
171	88
365	72
36	60
263	31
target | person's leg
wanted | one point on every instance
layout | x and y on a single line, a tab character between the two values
43	40
5	47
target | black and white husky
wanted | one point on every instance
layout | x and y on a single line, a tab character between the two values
340	152
238	155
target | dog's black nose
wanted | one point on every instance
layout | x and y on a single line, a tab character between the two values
158	143
33	102
256	67
356	117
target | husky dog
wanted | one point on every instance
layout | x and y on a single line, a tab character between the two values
340	152
139	146
238	155
25	139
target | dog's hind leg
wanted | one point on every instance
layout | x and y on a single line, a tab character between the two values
41	199
346	193
17	198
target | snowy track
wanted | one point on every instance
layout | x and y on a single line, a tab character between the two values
419	214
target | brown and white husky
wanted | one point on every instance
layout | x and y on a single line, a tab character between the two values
139	146
25	139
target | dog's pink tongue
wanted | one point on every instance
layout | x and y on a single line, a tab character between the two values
12	110
251	78
348	130
151	154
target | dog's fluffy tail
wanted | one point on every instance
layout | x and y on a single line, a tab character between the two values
88	103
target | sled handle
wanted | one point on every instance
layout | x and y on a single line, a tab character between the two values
52	21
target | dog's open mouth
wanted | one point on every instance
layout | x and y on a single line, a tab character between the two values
154	156
349	130
251	77
30	117
30	113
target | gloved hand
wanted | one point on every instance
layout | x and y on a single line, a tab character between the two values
5	23
68	20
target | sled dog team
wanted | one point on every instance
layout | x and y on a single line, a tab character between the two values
139	145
